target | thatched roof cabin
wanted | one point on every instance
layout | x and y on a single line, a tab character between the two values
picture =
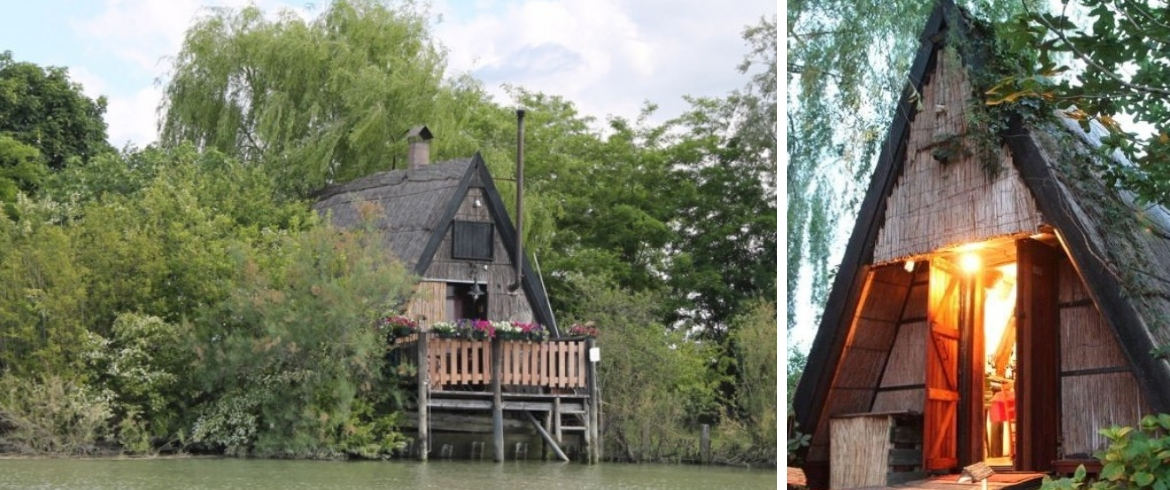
999	314
447	222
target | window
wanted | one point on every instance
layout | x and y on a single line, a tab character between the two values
472	240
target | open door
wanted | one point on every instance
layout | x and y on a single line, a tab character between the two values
1038	326
941	410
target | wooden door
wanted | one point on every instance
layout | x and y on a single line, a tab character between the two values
941	415
1037	355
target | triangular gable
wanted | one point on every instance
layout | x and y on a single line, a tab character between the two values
477	175
1138	330
943	196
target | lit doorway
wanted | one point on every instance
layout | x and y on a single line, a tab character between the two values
999	394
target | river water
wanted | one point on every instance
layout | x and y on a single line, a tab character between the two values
205	474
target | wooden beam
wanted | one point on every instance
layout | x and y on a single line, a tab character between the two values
547	438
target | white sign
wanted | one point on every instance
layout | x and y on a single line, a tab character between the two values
594	354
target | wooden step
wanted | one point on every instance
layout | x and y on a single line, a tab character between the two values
573	427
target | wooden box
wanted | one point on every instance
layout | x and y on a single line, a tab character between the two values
875	449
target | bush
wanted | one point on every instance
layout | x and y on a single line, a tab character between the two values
288	357
1135	459
654	381
52	415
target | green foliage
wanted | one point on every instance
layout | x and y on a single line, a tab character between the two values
313	103
42	294
1111	58
52	414
797	440
21	170
42	108
656	383
1136	458
796	361
290	351
754	342
145	366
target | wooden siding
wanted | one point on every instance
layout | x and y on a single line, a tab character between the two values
499	274
933	205
429	303
1098	388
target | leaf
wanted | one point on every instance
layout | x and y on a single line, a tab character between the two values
1143	478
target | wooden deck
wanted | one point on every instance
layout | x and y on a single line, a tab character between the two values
998	481
551	381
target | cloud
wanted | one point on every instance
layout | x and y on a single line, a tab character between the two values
607	56
131	119
135	38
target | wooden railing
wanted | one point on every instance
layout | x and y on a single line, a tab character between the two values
462	362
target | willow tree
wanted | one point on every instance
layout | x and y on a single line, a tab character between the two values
847	62
313	101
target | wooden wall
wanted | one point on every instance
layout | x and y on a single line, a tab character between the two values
502	304
429	304
885	322
1098	388
933	205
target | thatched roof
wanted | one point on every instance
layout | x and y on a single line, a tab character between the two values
413	203
1120	248
414	208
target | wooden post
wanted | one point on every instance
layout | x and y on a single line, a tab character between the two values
424	393
497	401
557	419
547	428
594	404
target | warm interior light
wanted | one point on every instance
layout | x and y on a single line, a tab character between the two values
970	262
909	266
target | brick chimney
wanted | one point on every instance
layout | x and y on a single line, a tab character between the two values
419	154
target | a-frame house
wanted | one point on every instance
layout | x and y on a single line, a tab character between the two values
1002	316
447	222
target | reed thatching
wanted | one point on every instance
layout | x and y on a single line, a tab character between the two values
939	204
1086	342
410	204
860	452
1092	402
907	357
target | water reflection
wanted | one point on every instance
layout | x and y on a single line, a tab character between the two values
214	474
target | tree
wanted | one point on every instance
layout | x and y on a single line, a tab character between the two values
42	108
21	169
313	103
656	382
1121	54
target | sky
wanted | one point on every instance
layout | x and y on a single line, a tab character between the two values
609	57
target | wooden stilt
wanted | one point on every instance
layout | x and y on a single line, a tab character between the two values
594	417
557	419
497	401
547	428
547	438
424	391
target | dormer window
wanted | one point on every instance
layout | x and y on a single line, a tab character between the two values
472	240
